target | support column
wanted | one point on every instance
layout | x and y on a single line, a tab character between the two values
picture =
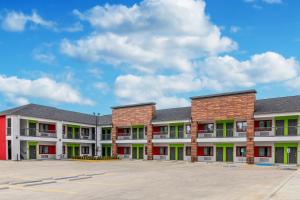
59	143
149	142
113	139
99	145
250	141
15	138
194	141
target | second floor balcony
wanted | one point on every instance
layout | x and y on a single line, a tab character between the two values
277	131
222	133
33	132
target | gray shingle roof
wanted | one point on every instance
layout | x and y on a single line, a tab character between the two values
278	105
172	114
52	113
224	94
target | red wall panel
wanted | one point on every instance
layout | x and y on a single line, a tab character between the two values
155	151
200	151
256	150
52	128
156	129
3	137
121	150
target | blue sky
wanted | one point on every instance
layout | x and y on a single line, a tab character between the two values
90	55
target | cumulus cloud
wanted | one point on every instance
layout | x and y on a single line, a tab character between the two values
18	90
273	1
227	72
176	50
17	21
161	89
149	36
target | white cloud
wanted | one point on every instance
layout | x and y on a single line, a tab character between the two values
76	27
273	1
47	58
234	29
161	89
150	36
19	90
227	72
17	21
102	86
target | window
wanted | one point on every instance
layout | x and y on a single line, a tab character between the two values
44	127
127	150
264	152
241	126
85	150
188	151
44	150
241	151
206	128
163	130
264	124
208	151
85	132
8	126
188	129
163	150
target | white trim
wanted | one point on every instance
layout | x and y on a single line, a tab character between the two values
38	139
171	122
77	141
131	141
277	139
55	121
276	114
105	142
171	141
105	126
221	140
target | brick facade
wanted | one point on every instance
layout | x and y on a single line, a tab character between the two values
231	107
130	116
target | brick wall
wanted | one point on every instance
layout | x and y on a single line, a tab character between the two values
237	107
130	116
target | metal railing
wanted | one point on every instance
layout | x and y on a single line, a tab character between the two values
221	133
181	135
140	136
277	131
106	137
33	132
77	136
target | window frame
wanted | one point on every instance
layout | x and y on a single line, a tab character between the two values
243	127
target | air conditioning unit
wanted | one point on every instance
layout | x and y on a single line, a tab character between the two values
241	134
241	159
207	135
162	157
44	156
126	156
207	158
263	159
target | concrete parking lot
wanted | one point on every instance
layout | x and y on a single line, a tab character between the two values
144	180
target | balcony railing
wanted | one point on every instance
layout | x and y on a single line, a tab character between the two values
140	136
77	137
221	133
277	131
33	132
172	136
106	137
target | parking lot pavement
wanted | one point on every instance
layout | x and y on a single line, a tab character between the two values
144	180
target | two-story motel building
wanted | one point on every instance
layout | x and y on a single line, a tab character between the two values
227	127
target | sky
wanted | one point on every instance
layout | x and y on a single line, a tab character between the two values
87	56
